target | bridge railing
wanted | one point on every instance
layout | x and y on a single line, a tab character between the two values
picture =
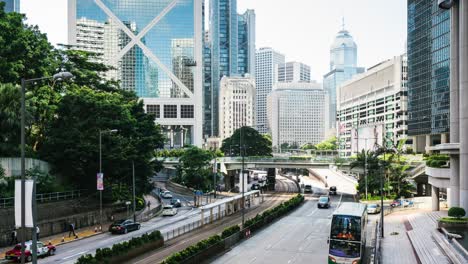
46	197
289	159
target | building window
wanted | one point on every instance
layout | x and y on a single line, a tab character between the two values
170	111
186	111
154	110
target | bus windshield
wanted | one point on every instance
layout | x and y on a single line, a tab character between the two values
346	228
344	249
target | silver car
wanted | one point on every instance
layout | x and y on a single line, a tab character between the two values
373	208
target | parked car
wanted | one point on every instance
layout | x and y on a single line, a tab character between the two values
166	195
373	208
123	226
399	202
255	186
176	202
332	190
308	188
169	210
324	202
43	250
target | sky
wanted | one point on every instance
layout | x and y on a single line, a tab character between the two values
302	30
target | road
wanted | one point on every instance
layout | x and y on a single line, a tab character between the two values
300	237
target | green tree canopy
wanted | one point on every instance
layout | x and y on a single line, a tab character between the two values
194	169
329	144
254	143
308	146
9	120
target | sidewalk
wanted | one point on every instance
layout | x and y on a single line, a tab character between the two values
56	240
397	248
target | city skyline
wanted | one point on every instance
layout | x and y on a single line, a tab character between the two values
376	41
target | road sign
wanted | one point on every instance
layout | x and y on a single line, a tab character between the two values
100	181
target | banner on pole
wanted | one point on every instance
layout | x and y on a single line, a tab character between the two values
100	181
28	203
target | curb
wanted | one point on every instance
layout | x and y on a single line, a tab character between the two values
79	238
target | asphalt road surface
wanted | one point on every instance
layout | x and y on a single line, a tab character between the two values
300	237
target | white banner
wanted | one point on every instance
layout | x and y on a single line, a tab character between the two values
28	203
100	181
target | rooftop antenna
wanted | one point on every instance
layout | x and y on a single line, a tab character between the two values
342	23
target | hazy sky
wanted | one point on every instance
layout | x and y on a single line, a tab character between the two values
303	30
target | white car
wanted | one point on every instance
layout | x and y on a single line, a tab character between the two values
166	195
169	210
373	208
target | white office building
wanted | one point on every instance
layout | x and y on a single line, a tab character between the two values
296	113
293	72
236	104
373	107
265	71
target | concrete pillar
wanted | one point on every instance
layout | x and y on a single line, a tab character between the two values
420	189
211	215
443	138
463	99
202	217
428	143
453	193
219	212
435	198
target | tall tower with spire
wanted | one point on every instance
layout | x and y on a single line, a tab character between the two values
343	65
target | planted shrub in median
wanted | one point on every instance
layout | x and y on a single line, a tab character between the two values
109	255
229	231
457	212
192	250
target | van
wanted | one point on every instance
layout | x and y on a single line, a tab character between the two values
169	210
308	188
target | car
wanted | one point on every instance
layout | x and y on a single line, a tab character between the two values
308	188
166	195
332	190
373	208
176	202
324	202
123	226
399	202
43	250
169	210
255	186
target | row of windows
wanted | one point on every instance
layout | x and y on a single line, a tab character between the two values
170	111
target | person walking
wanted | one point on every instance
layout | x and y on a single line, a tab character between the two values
14	237
149	205
72	230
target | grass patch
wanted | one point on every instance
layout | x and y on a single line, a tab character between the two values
375	198
453	220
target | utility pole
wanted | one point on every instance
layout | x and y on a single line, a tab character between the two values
381	197
242	173
133	180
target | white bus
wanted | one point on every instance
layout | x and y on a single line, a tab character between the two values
347	240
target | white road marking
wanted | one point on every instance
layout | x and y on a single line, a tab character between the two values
251	261
74	255
313	212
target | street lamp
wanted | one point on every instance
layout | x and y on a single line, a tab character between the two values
100	171
56	77
241	142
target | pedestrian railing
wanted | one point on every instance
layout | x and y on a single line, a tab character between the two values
46	197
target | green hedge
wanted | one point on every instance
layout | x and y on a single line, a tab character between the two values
269	215
192	250
457	212
229	231
437	160
104	255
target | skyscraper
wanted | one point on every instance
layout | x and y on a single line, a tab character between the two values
12	5
343	61
265	65
232	50
156	50
293	72
428	73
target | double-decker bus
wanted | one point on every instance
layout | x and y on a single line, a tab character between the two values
347	239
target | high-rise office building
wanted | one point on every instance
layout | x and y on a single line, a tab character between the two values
236	104
156	48
373	108
343	65
231	52
265	76
296	113
12	5
292	72
428	73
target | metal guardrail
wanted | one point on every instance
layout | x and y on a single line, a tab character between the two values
46	197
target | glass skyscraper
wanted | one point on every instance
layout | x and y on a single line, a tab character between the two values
343	61
155	48
12	5
428	71
231	52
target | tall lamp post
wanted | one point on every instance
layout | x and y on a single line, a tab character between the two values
242	147
56	77
100	171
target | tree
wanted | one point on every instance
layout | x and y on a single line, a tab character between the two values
373	171
329	144
254	143
308	146
10	118
194	170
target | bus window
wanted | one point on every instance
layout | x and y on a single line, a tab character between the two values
346	228
345	249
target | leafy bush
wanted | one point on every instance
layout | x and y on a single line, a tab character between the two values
299	158
103	255
229	231
180	256
436	160
457	212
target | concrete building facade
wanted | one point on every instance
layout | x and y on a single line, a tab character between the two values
236	104
296	113
373	108
293	72
265	77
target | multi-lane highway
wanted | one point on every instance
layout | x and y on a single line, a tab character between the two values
300	237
